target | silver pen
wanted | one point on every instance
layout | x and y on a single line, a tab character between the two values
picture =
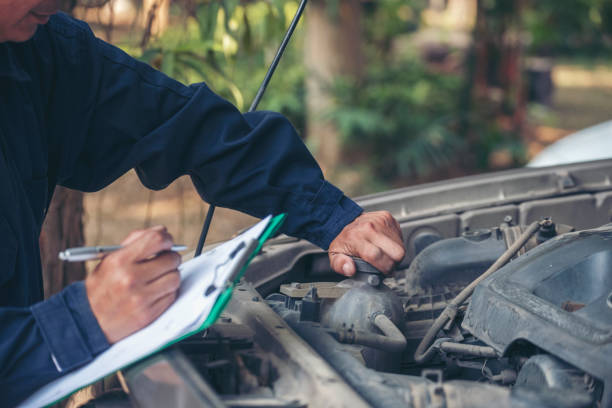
80	254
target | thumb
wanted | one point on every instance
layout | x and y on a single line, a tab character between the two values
342	264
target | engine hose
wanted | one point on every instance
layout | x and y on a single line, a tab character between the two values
370	384
392	341
468	349
390	330
424	352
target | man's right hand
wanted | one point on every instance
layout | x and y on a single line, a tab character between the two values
131	287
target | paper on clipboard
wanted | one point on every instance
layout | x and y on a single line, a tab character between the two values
187	315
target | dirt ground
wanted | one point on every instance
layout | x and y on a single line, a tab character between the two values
582	98
126	205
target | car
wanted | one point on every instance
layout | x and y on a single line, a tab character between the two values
592	143
504	299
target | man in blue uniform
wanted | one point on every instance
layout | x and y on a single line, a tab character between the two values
78	112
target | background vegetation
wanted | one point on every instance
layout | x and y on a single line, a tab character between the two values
423	106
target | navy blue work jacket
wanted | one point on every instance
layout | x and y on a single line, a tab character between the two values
79	112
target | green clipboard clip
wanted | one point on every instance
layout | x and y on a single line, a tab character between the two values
252	249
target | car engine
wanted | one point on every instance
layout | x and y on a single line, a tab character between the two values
541	324
504	299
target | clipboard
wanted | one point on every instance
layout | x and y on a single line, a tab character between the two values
225	296
252	249
172	326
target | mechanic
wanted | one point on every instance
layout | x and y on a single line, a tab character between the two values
79	112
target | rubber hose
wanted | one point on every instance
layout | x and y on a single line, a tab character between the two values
424	352
392	341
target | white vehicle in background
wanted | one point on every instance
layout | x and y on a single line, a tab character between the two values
592	143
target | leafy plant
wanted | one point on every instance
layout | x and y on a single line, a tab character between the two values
229	44
403	115
579	26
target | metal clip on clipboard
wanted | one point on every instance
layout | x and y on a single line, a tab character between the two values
251	247
245	249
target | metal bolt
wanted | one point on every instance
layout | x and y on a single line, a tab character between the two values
373	280
296	285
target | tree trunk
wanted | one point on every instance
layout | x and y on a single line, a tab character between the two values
332	49
63	228
499	73
496	82
155	15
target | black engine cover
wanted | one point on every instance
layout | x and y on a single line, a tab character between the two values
558	297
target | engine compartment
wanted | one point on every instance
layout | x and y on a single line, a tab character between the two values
520	336
536	333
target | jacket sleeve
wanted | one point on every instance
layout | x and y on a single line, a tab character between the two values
111	113
45	341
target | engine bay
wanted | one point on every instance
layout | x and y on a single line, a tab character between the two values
526	330
505	302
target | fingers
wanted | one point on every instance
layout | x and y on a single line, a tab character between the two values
131	287
398	229
151	243
375	237
152	268
161	305
145	257
164	285
343	264
392	230
377	254
387	247
144	244
153	310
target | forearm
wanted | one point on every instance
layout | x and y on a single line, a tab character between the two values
271	171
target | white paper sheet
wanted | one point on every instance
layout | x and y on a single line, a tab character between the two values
185	315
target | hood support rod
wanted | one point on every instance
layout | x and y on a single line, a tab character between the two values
258	96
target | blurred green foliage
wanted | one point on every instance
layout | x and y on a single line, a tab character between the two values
406	117
229	44
573	27
403	115
403	119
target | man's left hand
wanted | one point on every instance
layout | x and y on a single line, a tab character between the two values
375	237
